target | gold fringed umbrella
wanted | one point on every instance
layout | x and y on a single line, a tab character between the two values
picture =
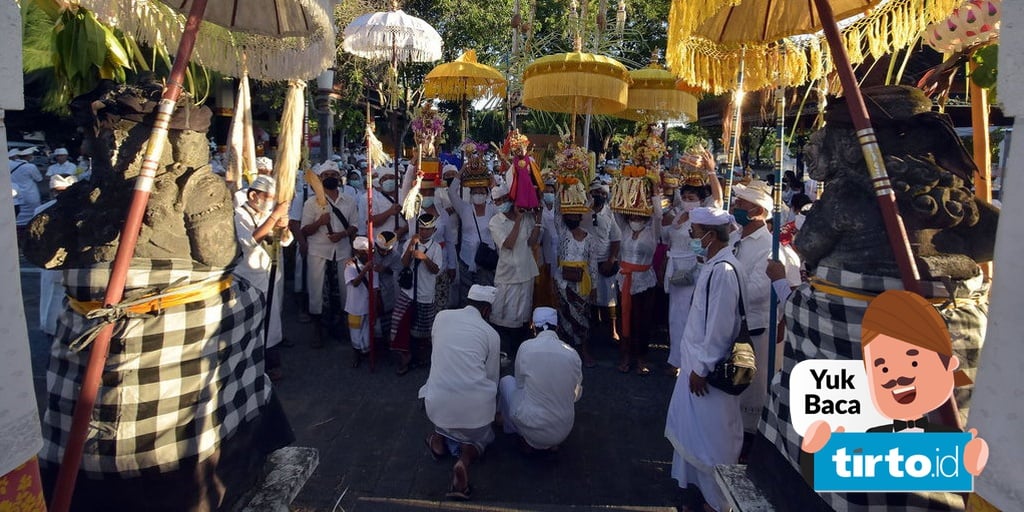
462	80
576	83
653	96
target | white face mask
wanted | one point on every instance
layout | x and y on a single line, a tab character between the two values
688	206
427	202
637	225
388	186
479	198
799	220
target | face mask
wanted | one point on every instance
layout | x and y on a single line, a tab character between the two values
479	198
388	186
449	181
268	206
637	225
427	202
688	206
799	221
332	183
356	182
549	198
742	217
697	246
599	202
572	224
505	207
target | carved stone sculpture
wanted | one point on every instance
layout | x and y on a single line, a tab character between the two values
189	212
950	230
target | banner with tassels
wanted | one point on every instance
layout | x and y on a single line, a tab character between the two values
289	154
241	143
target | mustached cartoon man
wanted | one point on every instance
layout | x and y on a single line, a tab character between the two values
911	371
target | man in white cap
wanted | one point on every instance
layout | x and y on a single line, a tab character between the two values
474	216
461	390
262	229
62	167
357	298
25	178
51	282
415	306
607	235
329	230
516	232
264	167
387	204
538	403
704	423
751	207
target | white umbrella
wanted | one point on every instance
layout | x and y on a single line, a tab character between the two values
392	35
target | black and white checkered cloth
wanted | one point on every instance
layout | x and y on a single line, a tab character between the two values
823	326
176	384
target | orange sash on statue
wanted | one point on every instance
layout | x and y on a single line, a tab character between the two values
626	268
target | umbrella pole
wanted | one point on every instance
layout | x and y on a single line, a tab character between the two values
876	166
465	117
982	154
734	133
372	312
780	151
68	472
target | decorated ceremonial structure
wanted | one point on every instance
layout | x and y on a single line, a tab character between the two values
523	174
573	177
474	168
633	185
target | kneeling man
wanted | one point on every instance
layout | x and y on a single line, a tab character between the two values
462	387
538	403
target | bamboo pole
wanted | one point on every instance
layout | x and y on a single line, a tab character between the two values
734	132
68	473
982	154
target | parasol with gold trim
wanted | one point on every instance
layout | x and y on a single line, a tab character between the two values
462	80
653	96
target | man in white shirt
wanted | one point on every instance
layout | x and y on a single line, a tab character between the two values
474	217
62	167
607	234
415	307
262	229
751	207
704	423
25	178
515	232
538	403
461	390
357	298
302	194
51	281
328	230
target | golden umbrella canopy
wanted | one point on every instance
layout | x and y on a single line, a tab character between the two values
464	78
708	53
279	39
653	96
576	83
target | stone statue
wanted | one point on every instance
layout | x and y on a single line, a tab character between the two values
188	213
950	230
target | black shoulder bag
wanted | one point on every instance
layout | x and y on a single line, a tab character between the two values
736	371
339	215
485	257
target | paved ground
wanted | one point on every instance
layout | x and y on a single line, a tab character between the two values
369	428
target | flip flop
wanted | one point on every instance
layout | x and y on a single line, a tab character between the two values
430	448
643	370
456	495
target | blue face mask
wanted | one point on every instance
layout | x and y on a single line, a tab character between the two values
388	186
427	202
742	216
356	182
697	246
505	207
549	198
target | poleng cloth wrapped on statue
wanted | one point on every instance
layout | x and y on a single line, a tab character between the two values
823	321
183	375
631	191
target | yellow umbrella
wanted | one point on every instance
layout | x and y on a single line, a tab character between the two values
653	96
462	80
576	83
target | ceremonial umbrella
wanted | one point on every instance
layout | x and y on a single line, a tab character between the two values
576	83
281	39
653	96
462	80
754	25
396	37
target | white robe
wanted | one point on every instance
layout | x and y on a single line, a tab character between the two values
707	430
548	382
255	266
51	290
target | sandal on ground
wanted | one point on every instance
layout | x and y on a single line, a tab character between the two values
456	495
642	369
430	448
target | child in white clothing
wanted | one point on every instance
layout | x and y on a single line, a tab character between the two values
357	298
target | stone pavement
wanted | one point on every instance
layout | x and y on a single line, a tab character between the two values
369	428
